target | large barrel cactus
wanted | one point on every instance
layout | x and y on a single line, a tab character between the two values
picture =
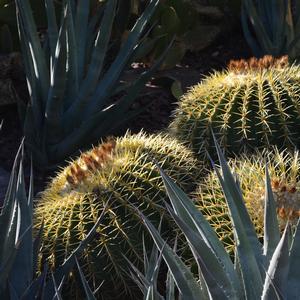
284	169
115	176
252	104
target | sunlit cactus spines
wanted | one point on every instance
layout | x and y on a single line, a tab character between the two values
284	169
252	104
112	177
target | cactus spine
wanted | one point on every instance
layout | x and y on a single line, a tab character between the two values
284	170
252	104
112	177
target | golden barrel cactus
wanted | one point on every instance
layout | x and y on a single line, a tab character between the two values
115	176
284	169
253	104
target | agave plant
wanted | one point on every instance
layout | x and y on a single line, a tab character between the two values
268	271
72	84
19	252
272	27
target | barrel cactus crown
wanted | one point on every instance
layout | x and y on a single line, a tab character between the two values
112	177
284	169
253	104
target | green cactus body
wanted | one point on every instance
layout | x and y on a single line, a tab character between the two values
252	104
284	173
118	174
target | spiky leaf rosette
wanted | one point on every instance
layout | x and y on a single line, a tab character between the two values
117	173
284	169
252	104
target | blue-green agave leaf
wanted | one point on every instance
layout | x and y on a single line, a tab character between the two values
276	282
32	39
22	268
113	74
217	280
88	292
81	29
293	289
185	281
271	229
188	213
248	247
52	30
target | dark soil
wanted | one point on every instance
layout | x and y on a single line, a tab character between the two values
157	115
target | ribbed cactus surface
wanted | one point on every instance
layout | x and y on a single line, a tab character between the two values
252	104
115	176
284	169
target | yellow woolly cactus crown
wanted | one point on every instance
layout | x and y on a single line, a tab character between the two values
284	169
118	175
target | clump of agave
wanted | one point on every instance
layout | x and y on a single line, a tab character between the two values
109	179
253	104
77	93
284	170
260	271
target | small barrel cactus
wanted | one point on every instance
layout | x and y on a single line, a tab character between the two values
252	104
113	177
284	170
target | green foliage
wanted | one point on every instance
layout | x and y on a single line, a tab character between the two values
252	104
19	252
74	78
109	179
268	271
193	26
284	170
8	21
272	27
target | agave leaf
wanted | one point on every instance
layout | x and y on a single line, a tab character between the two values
10	233
57	289
72	57
293	289
271	229
95	65
92	32
258	27
192	217
217	280
10	221
142	282
154	273
183	277
36	289
55	103
88	292
112	75
248	246
52	29
276	282
35	106
11	189
170	285
153	255
36	247
22	268
37	55
81	31
152	292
